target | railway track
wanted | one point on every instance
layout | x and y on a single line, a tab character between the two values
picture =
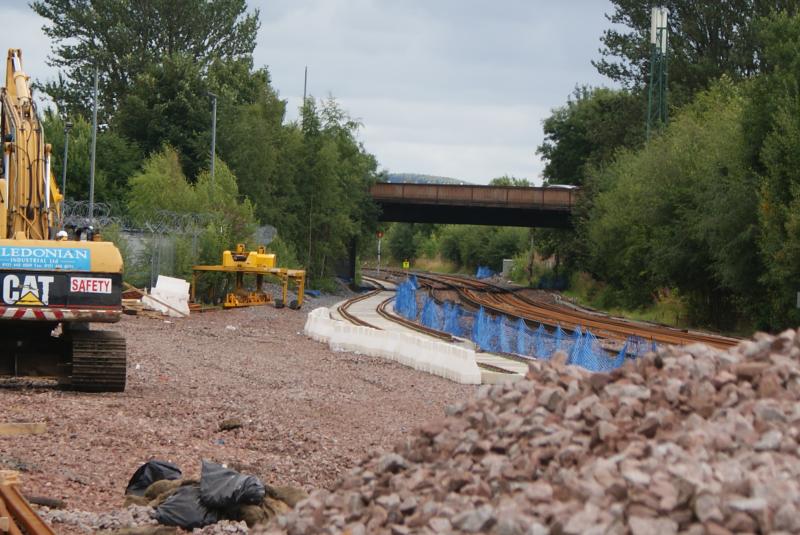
502	300
344	311
383	310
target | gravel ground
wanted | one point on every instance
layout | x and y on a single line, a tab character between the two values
690	441
309	414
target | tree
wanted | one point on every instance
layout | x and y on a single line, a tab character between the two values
161	173
707	40
681	213
228	220
168	104
117	160
588	131
773	127
400	242
326	203
506	180
251	138
123	39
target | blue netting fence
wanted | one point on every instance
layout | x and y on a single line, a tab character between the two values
484	272
502	334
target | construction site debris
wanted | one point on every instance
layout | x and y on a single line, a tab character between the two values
146	530
52	503
9	429
222	487
16	514
151	472
132	517
230	424
221	494
689	440
185	509
170	296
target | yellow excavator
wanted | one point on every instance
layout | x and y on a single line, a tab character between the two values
51	286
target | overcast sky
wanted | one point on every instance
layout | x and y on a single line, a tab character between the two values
456	88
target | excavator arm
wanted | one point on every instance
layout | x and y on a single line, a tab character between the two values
30	201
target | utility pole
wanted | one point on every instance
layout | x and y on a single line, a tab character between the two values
67	128
94	151
213	131
657	93
305	88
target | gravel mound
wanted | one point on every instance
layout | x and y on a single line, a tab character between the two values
688	440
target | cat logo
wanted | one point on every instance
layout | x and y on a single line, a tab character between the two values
32	290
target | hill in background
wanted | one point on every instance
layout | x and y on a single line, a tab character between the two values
414	178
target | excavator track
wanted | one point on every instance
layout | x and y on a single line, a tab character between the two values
99	361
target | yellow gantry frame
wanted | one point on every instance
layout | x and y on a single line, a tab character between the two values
30	201
240	266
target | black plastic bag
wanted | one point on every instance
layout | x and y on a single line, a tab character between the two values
185	509
222	487
149	473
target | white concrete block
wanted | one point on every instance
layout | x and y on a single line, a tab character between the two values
415	351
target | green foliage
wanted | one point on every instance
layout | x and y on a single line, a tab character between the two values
125	39
161	173
229	219
113	233
251	139
588	131
158	61
117	160
471	246
773	125
401	243
167	104
667	308
285	253
707	40
680	213
506	180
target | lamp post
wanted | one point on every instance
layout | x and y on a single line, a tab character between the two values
213	131
67	128
94	151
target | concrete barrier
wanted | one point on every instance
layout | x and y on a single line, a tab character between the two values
415	351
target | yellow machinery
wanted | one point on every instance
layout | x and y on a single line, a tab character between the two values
259	263
46	279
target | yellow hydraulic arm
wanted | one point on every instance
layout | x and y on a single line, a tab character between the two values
29	197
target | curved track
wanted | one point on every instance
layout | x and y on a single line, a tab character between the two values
345	313
501	300
490	363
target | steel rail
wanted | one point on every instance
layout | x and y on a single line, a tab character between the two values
500	300
343	310
447	337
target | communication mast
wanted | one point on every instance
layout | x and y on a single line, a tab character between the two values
657	95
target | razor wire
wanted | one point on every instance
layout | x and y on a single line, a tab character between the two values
155	236
76	214
501	334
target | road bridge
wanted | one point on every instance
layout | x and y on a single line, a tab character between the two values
476	205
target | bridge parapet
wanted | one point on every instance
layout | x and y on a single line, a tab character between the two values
558	198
